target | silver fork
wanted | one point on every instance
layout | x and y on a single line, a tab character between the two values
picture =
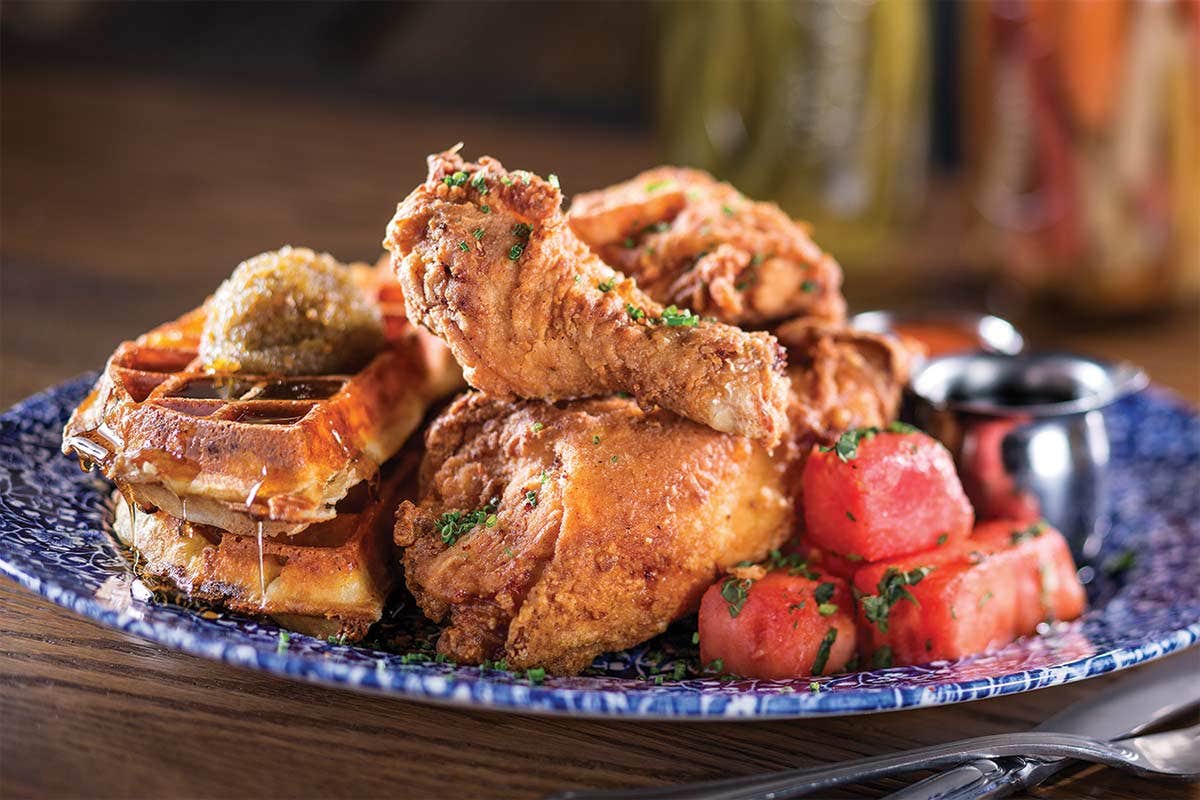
1171	755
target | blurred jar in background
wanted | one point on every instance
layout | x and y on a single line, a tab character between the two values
1080	136
821	106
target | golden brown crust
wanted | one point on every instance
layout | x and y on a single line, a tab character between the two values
163	430
633	515
331	579
529	311
694	241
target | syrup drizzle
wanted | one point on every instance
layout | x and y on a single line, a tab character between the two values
133	528
254	489
262	575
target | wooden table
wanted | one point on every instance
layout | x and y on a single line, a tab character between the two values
125	201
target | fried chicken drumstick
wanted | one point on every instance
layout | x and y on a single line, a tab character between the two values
488	263
692	240
550	533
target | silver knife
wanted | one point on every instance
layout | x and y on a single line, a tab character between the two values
1130	706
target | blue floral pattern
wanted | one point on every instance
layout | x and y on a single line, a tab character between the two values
54	541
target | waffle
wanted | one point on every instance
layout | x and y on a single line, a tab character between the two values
231	451
331	579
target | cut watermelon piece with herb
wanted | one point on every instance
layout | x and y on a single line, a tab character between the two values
975	595
777	624
883	493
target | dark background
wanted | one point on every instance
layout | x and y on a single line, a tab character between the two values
147	148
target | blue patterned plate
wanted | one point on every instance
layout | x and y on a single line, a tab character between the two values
54	540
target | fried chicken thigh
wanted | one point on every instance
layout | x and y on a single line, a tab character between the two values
550	533
842	378
488	263
691	240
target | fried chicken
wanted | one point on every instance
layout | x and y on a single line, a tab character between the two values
550	533
488	263
691	240
841	377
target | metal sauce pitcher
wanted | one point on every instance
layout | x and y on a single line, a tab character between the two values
1028	434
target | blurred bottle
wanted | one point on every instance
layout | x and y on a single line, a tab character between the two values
1080	136
821	106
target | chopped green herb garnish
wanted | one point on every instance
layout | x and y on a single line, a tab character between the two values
285	638
507	181
658	227
595	439
1032	532
850	517
853	557
794	563
608	285
696	637
522	230
729	212
680	670
535	675
1120	563
477	233
654	186
613	459
824	592
983	601
491	521
508	551
808	287
882	658
464	246
457	179
892	588
552	179
634	312
716	665
531	498
485	208
757	259
826	609
676	318
479	182
629	243
735	591
545	478
814	687
941	540
823	651
515	251
453	524
537	427
847	444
